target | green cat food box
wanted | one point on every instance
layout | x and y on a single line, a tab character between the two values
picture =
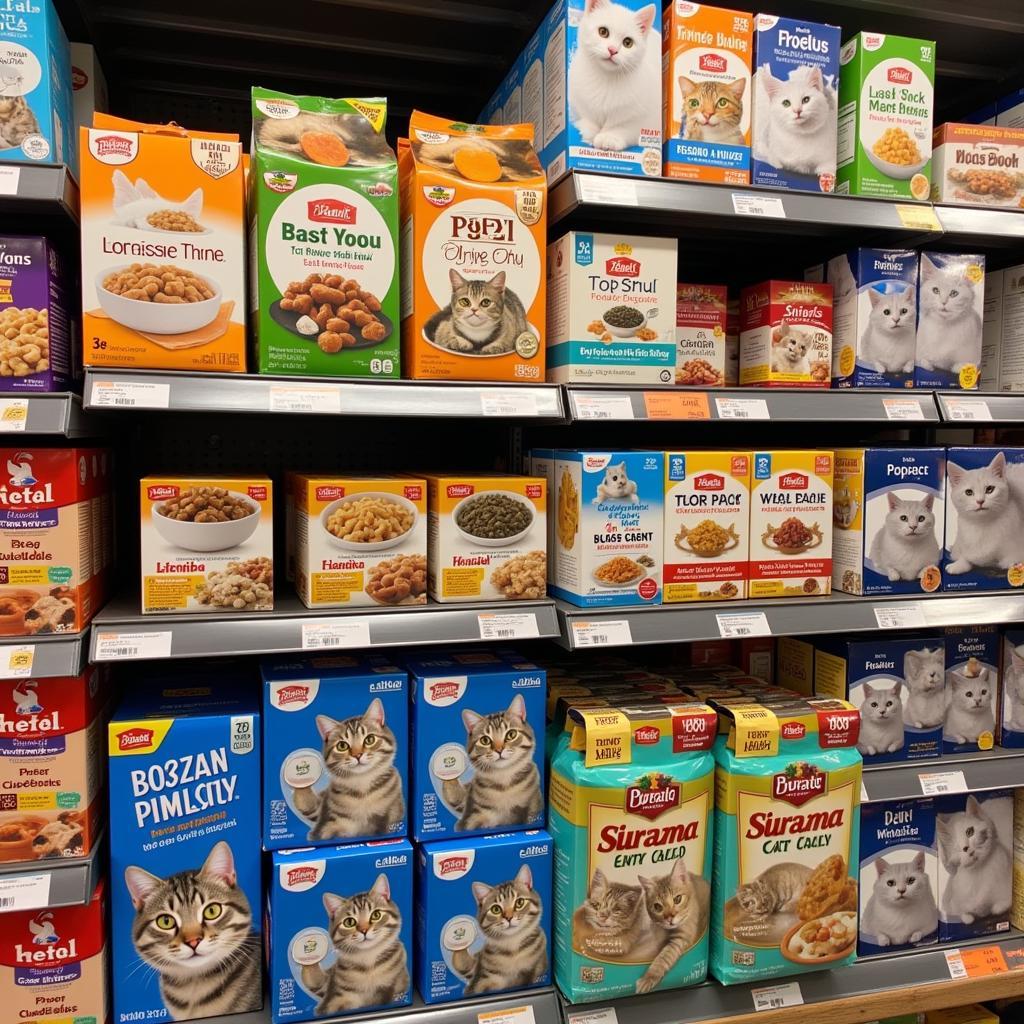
323	237
335	750
339	929
483	915
184	777
886	101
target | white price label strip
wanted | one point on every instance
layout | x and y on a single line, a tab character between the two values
758	206
16	660
938	783
13	415
775	997
603	633
590	406
900	616
605	1015
513	626
132	646
955	963
975	409
288	398
742	409
744	624
903	408
514	1015
125	394
9	178
508	403
607	191
24	892
339	633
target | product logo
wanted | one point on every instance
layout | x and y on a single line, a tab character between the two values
647	735
794	730
794	481
304	874
651	795
134	739
618	266
902	76
292	695
44	934
438	195
79	79
460	490
113	147
533	490
329	493
43	931
413	492
25	700
452	866
20	470
711	62
799	783
330	211
280	181
160	492
378	190
443	691
709	482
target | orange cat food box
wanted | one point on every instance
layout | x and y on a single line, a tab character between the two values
474	218
163	247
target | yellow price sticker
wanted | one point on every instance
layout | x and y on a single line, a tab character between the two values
918	218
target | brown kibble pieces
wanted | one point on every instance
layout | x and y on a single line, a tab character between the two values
339	308
375	331
330	342
147	282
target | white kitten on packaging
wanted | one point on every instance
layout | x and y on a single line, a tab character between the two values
1011	716
972	688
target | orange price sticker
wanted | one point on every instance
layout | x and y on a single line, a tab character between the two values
677	405
976	962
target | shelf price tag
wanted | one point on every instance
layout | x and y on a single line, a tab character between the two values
289	398
511	626
918	218
24	892
757	206
590	405
604	1015
9	179
508	403
940	783
973	409
513	1015
900	616
602	633
903	408
742	409
16	660
743	624
775	997
132	646
13	415
129	394
606	191
352	632
976	962
676	405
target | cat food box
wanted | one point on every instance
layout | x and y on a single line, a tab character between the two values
972	688
483	915
477	760
732	343
874	318
610	511
975	838
184	768
1010	723
707	526
984	519
486	538
36	108
787	842
163	248
795	97
632	796
1003	330
791	524
786	334
339	929
794	659
1017	907
899	686
950	311
899	876
359	540
474	224
324	208
611	309
700	335
978	165
707	65
52	766
886	100
888	516
53	963
335	750
541	463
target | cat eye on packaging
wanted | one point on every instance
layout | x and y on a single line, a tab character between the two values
483	910
339	924
972	688
335	750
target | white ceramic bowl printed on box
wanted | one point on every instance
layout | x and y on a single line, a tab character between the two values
629	332
495	542
476	353
158	317
900	171
207	536
380	545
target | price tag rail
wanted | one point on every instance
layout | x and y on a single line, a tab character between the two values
973	772
69	882
60	654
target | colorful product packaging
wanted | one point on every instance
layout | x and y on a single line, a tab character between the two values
795	664
1010	723
701	348
982	165
972	688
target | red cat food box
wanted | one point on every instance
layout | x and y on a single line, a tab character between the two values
53	963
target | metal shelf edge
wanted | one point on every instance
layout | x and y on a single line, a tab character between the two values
72	881
983	770
61	654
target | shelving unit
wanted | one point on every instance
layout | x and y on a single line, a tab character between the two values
38	190
59	654
66	882
982	770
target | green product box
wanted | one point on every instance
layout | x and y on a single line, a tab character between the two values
886	101
323	245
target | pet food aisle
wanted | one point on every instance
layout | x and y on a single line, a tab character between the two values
515	512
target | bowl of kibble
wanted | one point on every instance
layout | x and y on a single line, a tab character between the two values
368	521
206	519
896	153
158	299
494	519
625	321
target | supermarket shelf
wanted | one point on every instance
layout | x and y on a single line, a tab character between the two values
249	393
55	413
983	769
70	882
61	654
196	635
967	407
980	227
34	190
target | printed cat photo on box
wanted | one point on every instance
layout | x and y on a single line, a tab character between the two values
972	688
1011	714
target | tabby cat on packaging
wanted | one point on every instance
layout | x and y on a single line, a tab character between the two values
483	318
774	891
17	122
194	928
714	110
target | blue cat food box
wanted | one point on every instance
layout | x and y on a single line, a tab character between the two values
477	745
339	927
899	685
888	517
972	688
1010	723
483	915
335	750
796	82
899	876
184	776
984	547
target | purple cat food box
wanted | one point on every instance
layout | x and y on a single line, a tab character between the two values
984	548
1010	724
335	750
339	929
35	317
899	684
972	688
483	915
974	834
477	745
899	876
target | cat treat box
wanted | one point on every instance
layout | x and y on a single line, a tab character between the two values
972	688
163	248
950	312
899	876
1010	723
184	779
707	54
886	100
339	929
335	750
899	686
483	915
786	334
874	318
984	547
632	798
611	309
609	532
978	165
1017	907
477	760
786	839
975	840
795	97
701	355
888	516
474	225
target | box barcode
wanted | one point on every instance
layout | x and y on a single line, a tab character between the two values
122	652
6	902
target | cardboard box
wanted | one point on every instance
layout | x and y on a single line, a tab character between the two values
1010	110
978	164
89	86
1003	331
1010	721
701	346
795	664
972	687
